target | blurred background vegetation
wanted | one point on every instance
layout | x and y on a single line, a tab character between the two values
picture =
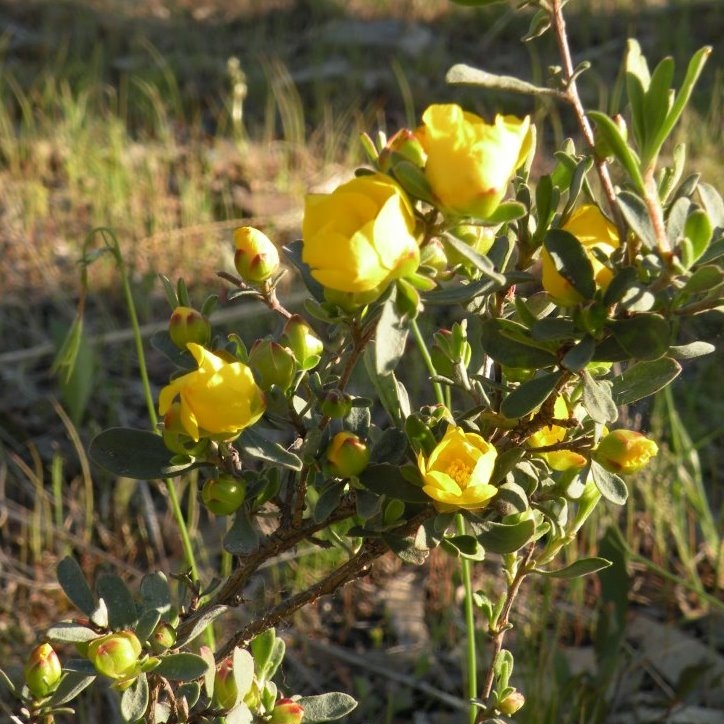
172	122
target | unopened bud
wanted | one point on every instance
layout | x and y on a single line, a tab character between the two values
306	347
188	325
42	671
163	637
287	711
256	258
225	690
223	495
273	364
625	451
116	655
336	404
347	455
403	146
512	703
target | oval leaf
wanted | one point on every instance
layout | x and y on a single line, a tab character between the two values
134	700
71	632
390	338
70	686
571	261
644	379
645	336
509	344
611	486
257	446
326	707
577	569
506	537
121	607
597	399
385	479
199	625
74	585
182	667
529	395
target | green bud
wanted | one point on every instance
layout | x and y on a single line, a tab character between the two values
116	655
287	711
188	325
347	455
273	364
512	703
163	637
42	671
225	690
403	146
306	347
336	404
223	495
256	258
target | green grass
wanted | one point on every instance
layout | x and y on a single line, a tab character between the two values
156	139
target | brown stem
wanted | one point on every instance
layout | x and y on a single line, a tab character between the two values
355	567
656	214
571	95
503	624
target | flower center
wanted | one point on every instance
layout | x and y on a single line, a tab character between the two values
459	472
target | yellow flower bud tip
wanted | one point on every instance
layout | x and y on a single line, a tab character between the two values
220	398
359	239
347	455
42	671
457	473
594	231
188	325
256	257
116	655
470	162
625	451
223	495
287	711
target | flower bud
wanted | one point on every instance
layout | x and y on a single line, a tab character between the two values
287	711
225	689
625	451
302	341
163	637
256	258
223	495
336	404
273	364
347	455
512	703
116	655
42	671
403	146
188	325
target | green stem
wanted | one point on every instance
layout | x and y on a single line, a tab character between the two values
470	649
422	347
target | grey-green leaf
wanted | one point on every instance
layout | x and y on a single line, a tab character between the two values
597	399
611	486
577	569
74	585
258	446
121	607
181	667
134	700
571	261
326	707
506	537
70	686
200	624
644	379
529	395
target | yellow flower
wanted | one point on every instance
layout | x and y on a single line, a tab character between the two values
219	398
470	162
360	237
625	451
553	434
594	231
457	472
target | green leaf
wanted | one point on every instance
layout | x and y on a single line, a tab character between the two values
413	180
72	683
620	149
191	691
390	338
540	22
389	480
611	486
637	217
571	261
644	379
645	336
458	293
505	462
155	592
392	394
199	625
712	202
506	537
698	232
136	454
691	350
182	667
479	261
577	569
597	399
579	355
693	71
258	446
704	279
529	395
121	607
391	447
638	79
74	585
242	538
464	546
262	647
506	212
146	624
510	344
243	665
326	707
134	699
462	73
71	632
657	100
